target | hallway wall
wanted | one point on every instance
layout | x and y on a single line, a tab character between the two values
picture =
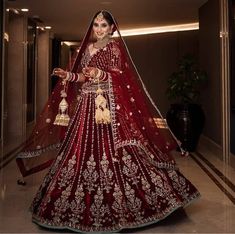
209	53
1	64
156	57
43	70
15	87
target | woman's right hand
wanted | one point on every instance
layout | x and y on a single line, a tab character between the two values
59	72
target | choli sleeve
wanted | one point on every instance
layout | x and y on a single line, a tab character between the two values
114	66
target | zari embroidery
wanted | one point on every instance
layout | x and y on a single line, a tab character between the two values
119	205
106	174
100	212
90	174
61	205
77	206
130	169
67	173
133	203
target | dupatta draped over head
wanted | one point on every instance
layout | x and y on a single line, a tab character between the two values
133	113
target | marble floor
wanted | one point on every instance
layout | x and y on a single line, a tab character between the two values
214	212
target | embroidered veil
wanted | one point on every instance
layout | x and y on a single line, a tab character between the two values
133	114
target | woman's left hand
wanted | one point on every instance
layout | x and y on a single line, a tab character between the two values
90	71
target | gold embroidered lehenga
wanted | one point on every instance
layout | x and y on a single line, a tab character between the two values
107	177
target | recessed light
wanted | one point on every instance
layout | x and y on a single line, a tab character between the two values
15	11
6	36
48	27
161	29
24	9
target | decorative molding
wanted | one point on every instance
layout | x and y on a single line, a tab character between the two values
225	79
207	144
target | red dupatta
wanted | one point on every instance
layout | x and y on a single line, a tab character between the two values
127	91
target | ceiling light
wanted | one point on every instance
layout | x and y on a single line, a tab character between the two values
24	9
6	36
7	9
70	43
160	29
15	11
47	27
41	28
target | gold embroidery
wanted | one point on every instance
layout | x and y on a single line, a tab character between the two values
90	174
67	173
100	212
133	203
119	204
106	174
77	206
130	168
61	205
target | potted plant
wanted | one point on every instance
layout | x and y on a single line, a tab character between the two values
186	117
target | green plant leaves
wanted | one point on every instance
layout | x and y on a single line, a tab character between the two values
184	84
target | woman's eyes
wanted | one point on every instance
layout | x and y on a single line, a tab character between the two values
102	25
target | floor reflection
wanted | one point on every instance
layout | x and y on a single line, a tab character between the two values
212	213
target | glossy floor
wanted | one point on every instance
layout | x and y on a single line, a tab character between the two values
214	212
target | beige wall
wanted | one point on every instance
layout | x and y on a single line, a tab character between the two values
156	56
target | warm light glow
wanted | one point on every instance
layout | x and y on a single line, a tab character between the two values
6	36
24	9
7	9
160	29
41	28
15	11
71	43
48	27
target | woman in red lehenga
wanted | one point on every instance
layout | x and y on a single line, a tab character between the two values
111	169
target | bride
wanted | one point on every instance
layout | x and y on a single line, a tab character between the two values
111	167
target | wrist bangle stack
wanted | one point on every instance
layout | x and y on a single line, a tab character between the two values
70	76
100	75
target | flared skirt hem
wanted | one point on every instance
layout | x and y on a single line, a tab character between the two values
118	227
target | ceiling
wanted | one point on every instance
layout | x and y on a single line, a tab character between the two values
70	18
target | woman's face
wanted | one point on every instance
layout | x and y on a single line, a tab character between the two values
101	28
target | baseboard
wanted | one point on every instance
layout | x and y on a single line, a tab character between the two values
207	144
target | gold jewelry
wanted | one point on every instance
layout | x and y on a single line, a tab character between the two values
93	73
100	16
102	113
98	75
62	118
101	43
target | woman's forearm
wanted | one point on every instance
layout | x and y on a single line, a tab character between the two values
75	77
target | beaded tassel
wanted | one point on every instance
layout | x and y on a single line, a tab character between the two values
62	118
102	114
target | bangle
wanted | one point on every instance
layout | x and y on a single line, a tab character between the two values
77	77
67	76
73	76
99	73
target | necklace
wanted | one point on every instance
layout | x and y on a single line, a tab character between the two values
101	44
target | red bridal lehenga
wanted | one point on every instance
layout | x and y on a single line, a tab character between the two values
104	177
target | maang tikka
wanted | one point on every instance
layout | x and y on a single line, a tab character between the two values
100	16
